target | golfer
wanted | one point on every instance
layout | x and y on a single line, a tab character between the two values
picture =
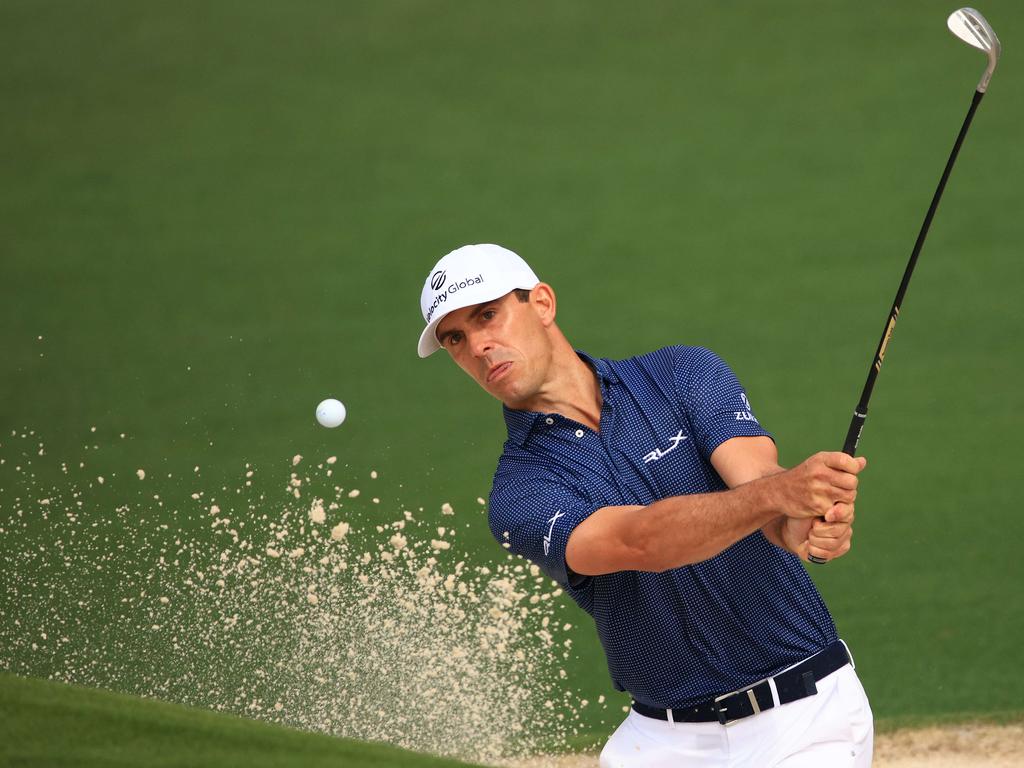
650	492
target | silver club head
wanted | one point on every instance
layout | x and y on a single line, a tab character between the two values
971	27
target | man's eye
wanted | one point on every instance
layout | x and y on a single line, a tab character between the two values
454	338
487	314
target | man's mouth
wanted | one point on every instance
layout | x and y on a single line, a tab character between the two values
498	371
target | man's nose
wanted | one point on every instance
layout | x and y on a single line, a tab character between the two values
480	343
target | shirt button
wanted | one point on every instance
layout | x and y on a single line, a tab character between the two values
579	433
549	420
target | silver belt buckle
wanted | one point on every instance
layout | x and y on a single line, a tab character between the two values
723	718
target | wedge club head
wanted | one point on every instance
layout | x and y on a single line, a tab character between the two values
971	27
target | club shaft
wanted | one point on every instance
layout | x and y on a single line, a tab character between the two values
860	413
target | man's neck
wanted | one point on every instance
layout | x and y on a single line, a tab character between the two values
572	390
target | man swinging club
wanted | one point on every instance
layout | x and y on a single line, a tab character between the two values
649	491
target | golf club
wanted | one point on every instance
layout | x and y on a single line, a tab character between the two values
971	27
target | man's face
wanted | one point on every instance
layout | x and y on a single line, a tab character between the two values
503	344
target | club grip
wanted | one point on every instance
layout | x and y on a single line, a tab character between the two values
853	433
850	449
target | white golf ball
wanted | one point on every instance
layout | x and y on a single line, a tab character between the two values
330	413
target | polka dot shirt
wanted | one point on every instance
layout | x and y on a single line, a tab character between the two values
680	637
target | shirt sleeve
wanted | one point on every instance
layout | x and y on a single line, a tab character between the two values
718	406
534	517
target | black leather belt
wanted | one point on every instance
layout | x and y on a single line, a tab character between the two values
793	684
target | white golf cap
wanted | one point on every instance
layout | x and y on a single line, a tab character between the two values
469	275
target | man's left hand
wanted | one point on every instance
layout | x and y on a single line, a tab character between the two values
826	538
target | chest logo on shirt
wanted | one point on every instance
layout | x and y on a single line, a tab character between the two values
657	453
551	528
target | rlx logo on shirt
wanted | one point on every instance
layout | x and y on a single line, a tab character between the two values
551	528
657	453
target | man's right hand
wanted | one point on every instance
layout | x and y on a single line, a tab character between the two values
815	487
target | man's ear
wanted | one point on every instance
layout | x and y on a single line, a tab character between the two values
542	299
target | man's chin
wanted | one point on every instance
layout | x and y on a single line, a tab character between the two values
509	388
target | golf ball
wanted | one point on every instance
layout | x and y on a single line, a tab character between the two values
330	413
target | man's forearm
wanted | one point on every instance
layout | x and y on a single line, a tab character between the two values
682	530
772	530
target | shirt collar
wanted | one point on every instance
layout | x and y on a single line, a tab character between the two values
604	370
520	423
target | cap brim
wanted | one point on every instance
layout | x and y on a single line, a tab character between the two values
428	339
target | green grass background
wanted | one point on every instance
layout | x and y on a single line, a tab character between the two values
216	214
48	724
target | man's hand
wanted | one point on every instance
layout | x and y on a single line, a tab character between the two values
824	539
819	487
814	500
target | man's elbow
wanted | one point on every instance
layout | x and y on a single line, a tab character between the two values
626	557
607	542
590	555
598	561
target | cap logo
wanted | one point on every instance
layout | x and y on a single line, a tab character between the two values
437	280
454	287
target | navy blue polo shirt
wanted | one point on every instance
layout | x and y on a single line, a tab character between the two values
680	637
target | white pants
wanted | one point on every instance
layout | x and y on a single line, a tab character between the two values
832	728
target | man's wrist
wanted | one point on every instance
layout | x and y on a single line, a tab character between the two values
770	495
